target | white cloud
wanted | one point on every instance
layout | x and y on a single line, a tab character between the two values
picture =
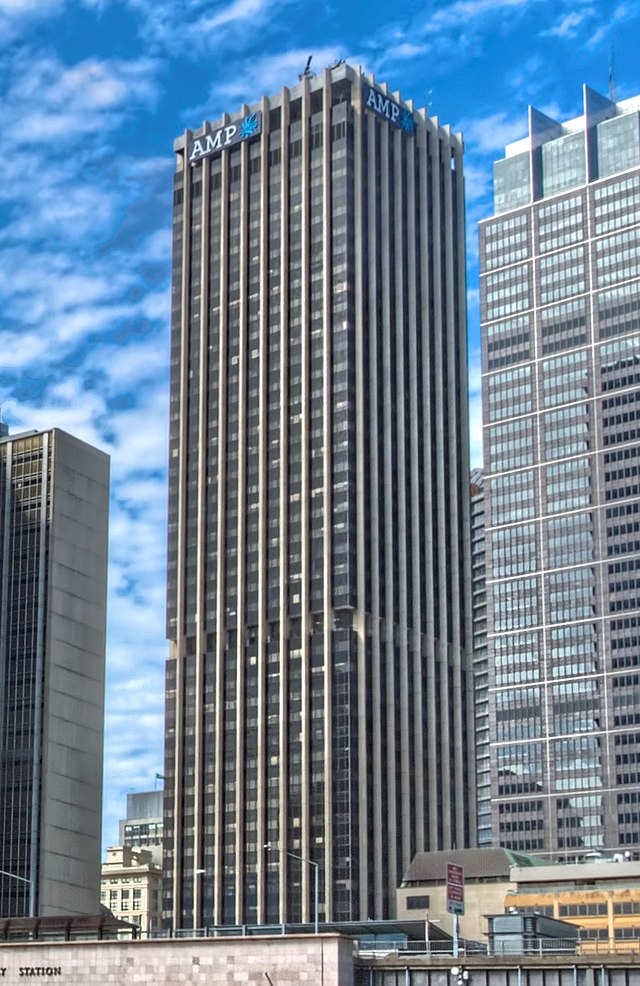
84	254
492	133
186	30
258	75
48	101
239	10
406	50
464	12
623	12
568	26
14	14
17	7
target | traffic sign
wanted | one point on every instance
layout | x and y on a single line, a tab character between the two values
455	889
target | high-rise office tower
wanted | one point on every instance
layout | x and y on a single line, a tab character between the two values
318	605
560	287
54	502
480	665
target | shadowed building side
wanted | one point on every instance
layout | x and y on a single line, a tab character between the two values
54	494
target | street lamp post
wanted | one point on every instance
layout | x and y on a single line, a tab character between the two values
427	936
197	896
22	879
316	869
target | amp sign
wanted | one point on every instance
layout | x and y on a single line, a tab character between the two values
386	107
227	136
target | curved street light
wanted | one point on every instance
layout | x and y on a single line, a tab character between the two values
309	862
23	879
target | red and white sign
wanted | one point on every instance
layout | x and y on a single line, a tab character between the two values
455	889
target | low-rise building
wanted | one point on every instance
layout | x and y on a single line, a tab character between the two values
487	881
131	887
600	893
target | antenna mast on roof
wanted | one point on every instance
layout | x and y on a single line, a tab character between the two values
307	74
612	77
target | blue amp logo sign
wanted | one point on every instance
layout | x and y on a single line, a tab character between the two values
227	136
388	108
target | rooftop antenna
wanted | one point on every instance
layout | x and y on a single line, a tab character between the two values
307	70
612	76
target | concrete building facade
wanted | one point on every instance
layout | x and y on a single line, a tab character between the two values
131	887
289	960
54	496
560	296
318	605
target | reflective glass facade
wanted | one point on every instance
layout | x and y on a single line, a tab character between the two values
561	351
480	665
318	562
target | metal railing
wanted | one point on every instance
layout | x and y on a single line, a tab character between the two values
531	947
433	947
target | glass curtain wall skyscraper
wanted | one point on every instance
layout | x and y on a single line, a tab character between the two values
560	288
480	666
319	510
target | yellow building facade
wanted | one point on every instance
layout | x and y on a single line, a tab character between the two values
602	898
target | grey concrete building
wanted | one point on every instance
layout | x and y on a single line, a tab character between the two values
143	826
318	603
560	287
54	493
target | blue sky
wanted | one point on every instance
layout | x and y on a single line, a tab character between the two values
93	93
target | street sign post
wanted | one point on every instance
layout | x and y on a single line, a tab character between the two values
455	889
455	899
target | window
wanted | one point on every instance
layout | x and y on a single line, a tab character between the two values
417	902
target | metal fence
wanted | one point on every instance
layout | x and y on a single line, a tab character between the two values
532	947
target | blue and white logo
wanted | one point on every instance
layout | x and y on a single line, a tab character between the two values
388	108
227	136
407	123
249	126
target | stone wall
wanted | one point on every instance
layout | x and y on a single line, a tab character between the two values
325	960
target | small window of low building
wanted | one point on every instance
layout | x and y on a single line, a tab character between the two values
418	902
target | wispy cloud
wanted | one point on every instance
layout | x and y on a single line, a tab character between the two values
492	133
187	29
238	11
47	101
567	26
260	75
465	12
623	12
84	255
